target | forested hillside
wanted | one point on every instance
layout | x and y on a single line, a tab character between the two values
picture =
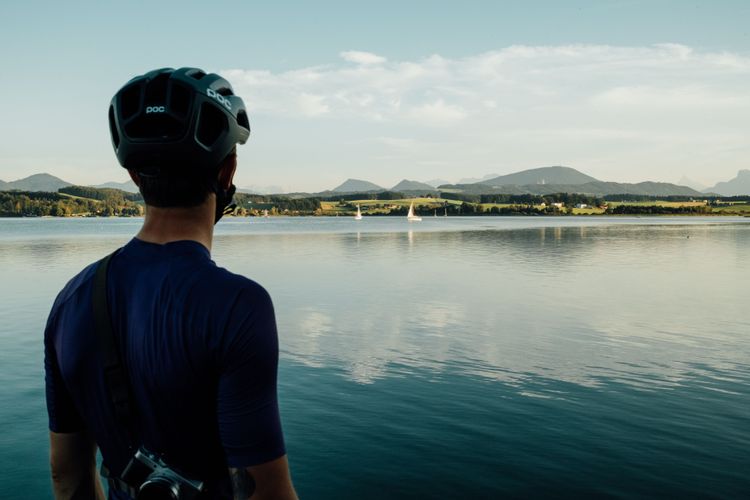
69	201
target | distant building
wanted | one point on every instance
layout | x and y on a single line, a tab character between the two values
582	205
558	205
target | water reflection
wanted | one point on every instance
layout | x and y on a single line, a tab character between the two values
640	305
575	303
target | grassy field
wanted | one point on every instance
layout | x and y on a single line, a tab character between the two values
588	211
487	206
728	209
78	197
735	208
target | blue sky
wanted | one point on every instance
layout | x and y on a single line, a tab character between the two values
622	90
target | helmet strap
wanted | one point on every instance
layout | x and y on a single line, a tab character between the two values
224	203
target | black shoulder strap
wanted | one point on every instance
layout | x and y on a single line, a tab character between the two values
114	373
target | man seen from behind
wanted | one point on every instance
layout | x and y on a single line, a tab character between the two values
195	412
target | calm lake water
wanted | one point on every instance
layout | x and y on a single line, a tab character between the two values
456	358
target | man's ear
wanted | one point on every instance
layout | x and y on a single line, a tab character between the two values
226	171
134	176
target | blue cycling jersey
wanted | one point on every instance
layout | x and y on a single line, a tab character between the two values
199	346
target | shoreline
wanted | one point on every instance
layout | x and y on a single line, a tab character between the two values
429	219
381	216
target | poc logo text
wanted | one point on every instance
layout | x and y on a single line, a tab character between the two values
223	100
156	109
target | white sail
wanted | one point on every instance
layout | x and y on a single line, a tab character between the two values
410	216
359	214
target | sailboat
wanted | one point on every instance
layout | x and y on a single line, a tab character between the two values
410	216
359	214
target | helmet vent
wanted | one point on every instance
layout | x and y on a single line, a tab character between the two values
130	102
156	90
179	100
224	91
242	120
213	123
113	127
155	127
197	74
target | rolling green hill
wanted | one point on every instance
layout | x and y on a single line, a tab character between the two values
543	175
37	182
407	185
356	186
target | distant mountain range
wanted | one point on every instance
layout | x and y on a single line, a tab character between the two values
548	180
407	185
596	188
128	186
356	186
50	183
360	186
544	180
544	175
36	182
740	185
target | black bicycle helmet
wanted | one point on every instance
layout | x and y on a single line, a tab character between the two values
176	118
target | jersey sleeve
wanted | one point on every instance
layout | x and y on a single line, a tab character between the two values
62	413
247	406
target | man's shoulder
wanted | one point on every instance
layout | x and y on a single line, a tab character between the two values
242	312
240	287
73	288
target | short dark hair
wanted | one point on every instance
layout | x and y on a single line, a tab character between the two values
173	188
178	186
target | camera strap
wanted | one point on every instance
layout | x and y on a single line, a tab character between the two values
115	377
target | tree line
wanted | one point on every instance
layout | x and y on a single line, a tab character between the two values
527	199
85	200
249	204
40	203
370	195
101	193
658	210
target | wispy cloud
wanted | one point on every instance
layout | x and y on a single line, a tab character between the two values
573	103
359	57
517	78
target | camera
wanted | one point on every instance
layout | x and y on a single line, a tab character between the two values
153	479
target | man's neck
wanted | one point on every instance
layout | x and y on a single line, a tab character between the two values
164	225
